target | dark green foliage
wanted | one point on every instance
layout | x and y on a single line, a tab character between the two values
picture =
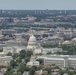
22	68
15	56
32	71
29	53
27	59
13	63
9	54
18	60
1	50
41	61
68	50
22	54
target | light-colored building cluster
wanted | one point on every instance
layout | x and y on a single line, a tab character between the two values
34	46
33	62
59	60
4	59
15	46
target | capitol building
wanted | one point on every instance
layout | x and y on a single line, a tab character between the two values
16	45
32	45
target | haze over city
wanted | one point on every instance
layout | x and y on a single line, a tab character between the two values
38	4
37	37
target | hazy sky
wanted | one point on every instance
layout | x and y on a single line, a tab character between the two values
38	4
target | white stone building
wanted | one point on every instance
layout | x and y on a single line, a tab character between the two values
4	59
33	45
32	62
59	60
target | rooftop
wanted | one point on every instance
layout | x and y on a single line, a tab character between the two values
59	56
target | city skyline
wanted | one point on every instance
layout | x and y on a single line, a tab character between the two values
38	4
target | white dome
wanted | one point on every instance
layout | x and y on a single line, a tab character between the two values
32	39
32	43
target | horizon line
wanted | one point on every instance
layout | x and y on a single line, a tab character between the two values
38	9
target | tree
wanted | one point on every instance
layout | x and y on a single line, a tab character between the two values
41	61
34	67
71	50
9	54
9	71
13	63
22	68
72	68
1	50
32	71
22	54
18	73
27	59
65	47
29	53
9	68
15	56
18	60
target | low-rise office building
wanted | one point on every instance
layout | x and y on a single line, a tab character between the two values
59	60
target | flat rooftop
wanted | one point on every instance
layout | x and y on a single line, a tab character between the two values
59	56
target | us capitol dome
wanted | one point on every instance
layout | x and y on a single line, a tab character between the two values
33	45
